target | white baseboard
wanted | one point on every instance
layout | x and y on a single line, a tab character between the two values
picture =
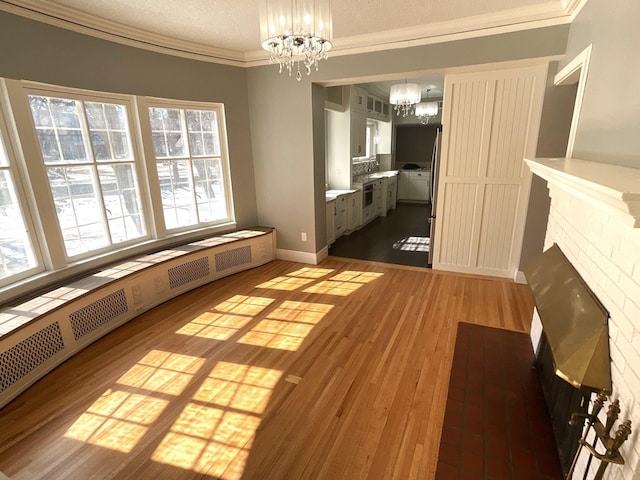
300	257
322	254
520	278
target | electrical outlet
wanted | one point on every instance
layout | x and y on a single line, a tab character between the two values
303	236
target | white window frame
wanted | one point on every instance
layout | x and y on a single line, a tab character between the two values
11	147
144	104
37	171
32	185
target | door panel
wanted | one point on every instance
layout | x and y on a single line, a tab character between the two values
460	199
490	124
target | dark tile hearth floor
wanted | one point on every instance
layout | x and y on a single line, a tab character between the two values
496	424
401	238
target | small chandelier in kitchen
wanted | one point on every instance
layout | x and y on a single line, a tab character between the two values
426	111
296	32
404	97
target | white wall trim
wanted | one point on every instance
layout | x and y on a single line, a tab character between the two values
512	20
573	7
297	256
519	277
322	254
575	72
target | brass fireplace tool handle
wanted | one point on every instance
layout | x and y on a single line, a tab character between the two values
611	444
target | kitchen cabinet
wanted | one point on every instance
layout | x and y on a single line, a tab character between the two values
354	210
378	196
340	221
331	212
377	108
414	186
358	134
358	99
392	189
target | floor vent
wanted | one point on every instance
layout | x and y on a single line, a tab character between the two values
188	272
31	352
98	313
233	258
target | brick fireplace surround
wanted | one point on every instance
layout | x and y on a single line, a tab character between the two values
595	220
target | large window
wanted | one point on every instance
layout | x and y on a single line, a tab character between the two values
17	255
190	165
87	178
87	151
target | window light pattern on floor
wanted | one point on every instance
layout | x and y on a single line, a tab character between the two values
211	407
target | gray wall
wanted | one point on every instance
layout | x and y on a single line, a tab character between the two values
282	117
39	52
609	126
282	138
557	112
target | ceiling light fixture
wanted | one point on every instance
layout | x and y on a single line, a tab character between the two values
427	111
404	97
295	32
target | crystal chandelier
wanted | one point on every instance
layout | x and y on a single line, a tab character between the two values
426	111
296	32
404	97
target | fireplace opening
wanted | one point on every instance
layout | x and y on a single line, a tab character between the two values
562	400
572	356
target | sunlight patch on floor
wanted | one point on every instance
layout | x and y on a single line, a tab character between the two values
287	326
285	283
311	272
119	418
162	372
217	324
343	284
215	431
413	244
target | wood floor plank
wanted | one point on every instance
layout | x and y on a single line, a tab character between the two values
286	371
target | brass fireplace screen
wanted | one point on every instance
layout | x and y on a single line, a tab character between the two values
574	321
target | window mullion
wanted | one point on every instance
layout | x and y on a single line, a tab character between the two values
150	170
93	164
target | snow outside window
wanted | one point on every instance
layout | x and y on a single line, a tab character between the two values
16	248
189	162
90	165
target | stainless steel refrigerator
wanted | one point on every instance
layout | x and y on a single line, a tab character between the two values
435	166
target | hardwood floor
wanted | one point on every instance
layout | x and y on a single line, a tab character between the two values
287	371
400	237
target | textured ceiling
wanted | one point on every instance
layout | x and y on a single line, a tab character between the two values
234	24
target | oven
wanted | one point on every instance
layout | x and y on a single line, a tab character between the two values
367	194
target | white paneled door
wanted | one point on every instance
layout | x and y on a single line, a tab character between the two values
490	124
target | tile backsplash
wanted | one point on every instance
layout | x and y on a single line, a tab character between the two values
362	168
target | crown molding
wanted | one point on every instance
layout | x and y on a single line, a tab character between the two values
573	7
48	12
536	16
462	29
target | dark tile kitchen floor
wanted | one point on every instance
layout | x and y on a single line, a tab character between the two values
401	238
496	424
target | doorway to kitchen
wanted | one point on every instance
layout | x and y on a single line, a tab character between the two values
400	237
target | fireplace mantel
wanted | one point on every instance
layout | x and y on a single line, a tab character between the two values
612	187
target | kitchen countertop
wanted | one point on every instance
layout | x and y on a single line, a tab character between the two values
333	194
371	177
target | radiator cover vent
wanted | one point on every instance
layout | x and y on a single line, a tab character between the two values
21	359
188	272
233	258
98	313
